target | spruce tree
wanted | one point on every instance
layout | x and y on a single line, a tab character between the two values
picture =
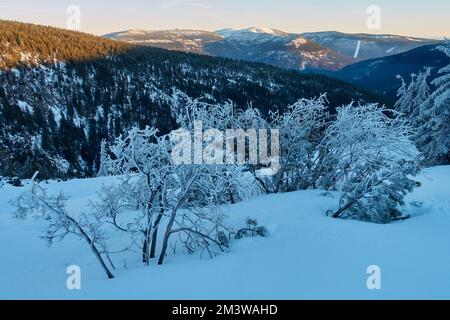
433	138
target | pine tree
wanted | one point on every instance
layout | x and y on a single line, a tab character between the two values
433	137
403	95
412	96
103	171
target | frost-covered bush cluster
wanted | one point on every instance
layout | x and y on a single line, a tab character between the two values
156	197
364	151
367	152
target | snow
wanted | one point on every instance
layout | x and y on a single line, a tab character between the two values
307	254
24	106
252	35
391	50
136	32
261	30
299	41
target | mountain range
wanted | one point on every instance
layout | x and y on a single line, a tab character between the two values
313	50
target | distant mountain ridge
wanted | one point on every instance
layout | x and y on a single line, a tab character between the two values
181	40
380	74
313	50
371	45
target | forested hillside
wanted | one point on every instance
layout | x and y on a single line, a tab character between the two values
63	92
380	75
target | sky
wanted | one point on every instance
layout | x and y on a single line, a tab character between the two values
404	17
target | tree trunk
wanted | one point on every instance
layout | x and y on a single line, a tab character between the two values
263	185
341	210
93	248
166	237
146	247
155	236
100	259
144	251
230	192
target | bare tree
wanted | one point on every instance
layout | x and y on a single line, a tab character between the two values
182	197
61	224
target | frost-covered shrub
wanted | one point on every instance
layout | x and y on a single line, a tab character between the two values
301	130
15	182
61	223
251	229
371	159
156	201
181	199
300	126
376	196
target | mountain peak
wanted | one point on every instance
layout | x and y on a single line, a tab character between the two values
128	32
262	30
252	30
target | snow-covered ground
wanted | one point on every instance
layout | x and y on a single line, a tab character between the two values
307	255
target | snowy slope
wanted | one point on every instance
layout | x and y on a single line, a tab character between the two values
291	51
307	254
252	35
177	39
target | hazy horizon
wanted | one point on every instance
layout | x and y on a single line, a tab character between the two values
407	18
